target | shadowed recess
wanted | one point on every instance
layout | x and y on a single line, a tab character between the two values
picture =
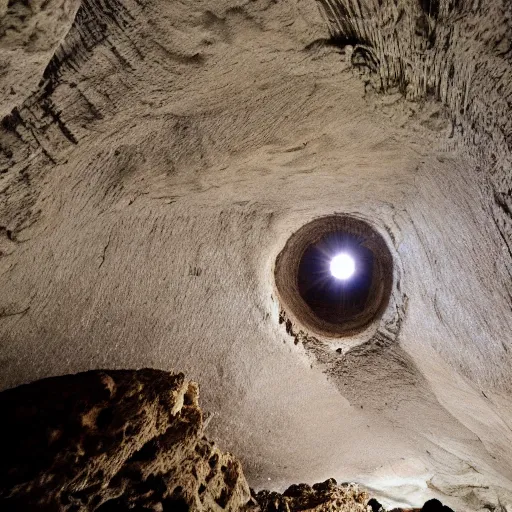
321	302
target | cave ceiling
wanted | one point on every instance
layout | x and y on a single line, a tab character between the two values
155	159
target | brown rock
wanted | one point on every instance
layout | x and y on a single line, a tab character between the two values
112	440
322	497
117	440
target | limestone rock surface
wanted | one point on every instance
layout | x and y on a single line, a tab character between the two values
156	156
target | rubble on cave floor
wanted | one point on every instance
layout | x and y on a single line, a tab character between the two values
116	440
328	496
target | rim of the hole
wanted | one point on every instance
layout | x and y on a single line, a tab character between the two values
287	267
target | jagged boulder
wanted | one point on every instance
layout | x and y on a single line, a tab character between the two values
109	441
321	497
328	496
117	440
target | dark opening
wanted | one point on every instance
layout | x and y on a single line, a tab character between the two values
430	7
328	305
329	298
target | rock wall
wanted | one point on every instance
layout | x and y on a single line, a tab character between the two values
169	151
458	52
30	33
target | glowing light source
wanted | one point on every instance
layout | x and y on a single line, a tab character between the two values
343	266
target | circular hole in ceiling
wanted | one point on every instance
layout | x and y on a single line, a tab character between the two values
335	275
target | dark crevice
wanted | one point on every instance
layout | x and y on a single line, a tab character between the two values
104	418
175	505
147	452
430	8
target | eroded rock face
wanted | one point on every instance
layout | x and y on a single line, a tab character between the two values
30	32
326	496
113	441
158	156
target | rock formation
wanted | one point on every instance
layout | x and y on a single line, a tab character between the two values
326	496
131	440
113	440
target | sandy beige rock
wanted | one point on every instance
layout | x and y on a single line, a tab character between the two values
30	33
150	181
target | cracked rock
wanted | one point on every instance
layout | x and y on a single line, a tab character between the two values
117	440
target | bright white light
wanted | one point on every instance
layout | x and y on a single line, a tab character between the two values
343	266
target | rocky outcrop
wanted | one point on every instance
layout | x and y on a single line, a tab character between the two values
112	440
328	496
325	496
30	33
117	440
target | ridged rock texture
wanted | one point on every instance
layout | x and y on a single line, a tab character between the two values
155	158
458	52
326	496
113	441
30	33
